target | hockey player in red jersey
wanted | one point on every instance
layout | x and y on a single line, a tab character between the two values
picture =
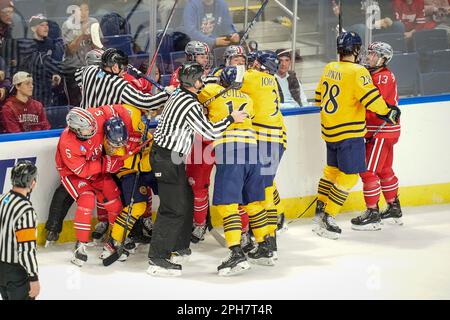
380	140
196	51
85	171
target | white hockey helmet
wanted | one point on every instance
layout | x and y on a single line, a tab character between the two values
82	123
383	51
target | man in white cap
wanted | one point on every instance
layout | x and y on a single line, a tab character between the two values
20	112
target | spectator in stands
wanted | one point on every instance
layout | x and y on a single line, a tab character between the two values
39	57
291	87
7	44
21	113
412	14
5	84
77	38
210	21
439	12
354	17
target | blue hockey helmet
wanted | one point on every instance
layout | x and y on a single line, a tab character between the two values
349	43
116	132
268	60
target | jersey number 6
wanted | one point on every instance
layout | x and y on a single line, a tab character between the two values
331	104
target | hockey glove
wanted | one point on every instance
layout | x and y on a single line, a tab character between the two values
392	116
134	140
111	164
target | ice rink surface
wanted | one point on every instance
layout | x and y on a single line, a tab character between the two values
399	262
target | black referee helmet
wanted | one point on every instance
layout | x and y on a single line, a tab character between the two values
23	174
112	56
189	73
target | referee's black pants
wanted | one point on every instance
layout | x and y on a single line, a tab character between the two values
14	283
173	225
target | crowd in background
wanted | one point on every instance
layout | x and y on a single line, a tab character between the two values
50	50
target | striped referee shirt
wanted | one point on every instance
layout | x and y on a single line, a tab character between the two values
18	223
100	88
181	117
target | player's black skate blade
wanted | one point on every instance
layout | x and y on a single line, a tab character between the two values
368	221
327	228
235	263
392	214
263	255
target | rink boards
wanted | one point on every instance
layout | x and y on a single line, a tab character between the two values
421	161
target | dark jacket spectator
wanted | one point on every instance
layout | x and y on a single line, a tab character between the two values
292	91
21	113
210	21
8	45
40	56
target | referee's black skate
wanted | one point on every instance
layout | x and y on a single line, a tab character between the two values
234	263
263	255
369	221
327	227
52	236
163	268
393	213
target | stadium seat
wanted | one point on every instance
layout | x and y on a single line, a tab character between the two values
434	83
434	61
56	115
121	42
429	40
405	67
396	40
176	59
165	79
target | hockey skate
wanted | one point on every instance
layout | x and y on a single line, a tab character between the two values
282	225
320	206
163	268
262	255
79	255
247	244
272	241
368	221
52	237
198	233
235	263
101	228
181	256
147	227
393	213
111	248
328	228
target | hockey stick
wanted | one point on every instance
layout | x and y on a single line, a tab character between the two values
301	215
235	85
116	255
155	54
95	36
376	132
250	26
216	235
340	17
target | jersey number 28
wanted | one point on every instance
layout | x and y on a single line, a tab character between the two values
330	95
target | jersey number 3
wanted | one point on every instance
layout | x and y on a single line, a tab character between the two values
331	93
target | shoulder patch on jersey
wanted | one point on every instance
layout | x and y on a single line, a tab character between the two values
83	149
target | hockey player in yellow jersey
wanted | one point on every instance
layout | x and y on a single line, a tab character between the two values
261	85
344	93
142	195
237	180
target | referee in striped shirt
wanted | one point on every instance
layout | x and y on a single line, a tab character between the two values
18	223
181	118
105	85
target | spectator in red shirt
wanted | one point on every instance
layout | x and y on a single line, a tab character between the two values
412	15
21	113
